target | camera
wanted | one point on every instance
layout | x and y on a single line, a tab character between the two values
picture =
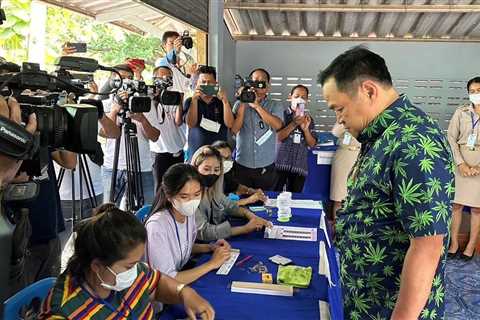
138	99
163	95
61	122
187	41
247	95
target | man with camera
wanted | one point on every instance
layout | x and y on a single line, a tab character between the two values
258	118
173	43
209	114
119	108
168	149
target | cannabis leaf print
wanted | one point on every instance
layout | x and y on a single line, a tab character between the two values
402	188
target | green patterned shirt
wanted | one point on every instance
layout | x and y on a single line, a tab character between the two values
400	188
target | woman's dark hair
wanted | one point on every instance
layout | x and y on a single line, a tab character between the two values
220	144
172	182
472	81
108	236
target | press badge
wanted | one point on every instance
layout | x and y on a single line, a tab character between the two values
210	125
264	138
472	138
297	137
347	138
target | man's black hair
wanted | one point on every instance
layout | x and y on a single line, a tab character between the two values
161	67
262	70
300	86
472	81
169	34
208	70
355	65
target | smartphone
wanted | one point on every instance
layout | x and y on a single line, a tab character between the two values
79	46
209	89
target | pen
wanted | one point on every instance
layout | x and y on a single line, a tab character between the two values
239	263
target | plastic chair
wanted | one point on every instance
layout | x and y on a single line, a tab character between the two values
143	213
23	298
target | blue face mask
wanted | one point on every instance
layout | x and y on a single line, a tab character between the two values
172	56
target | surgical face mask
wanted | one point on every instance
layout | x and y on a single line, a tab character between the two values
186	208
209	180
227	165
475	98
123	280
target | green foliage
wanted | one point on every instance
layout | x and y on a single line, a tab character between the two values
14	31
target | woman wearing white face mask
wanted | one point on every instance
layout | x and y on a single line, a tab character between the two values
295	139
464	139
230	183
106	279
172	230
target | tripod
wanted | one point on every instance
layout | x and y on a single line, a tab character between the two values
132	185
84	174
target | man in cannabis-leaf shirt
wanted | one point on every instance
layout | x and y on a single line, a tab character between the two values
392	232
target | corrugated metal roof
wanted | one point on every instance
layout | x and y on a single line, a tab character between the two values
134	15
399	20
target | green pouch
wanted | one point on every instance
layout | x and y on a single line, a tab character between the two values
294	275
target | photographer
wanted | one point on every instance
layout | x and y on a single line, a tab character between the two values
256	127
173	43
147	130
168	149
209	114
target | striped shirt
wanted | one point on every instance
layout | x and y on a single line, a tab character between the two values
69	300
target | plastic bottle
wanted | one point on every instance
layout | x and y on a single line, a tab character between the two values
283	204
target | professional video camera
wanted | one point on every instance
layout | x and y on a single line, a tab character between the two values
163	95
62	123
247	95
187	41
138	99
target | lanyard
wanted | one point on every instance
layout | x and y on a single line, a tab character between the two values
109	305
178	234
474	123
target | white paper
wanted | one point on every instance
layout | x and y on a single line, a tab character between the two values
264	137
210	125
323	264
324	308
227	265
472	138
297	203
297	138
325	157
291	233
323	226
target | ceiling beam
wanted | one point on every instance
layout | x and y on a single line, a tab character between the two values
119	13
416	8
145	26
359	39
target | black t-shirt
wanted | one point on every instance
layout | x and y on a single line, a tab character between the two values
199	136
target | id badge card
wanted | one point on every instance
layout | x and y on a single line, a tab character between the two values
297	137
347	138
210	125
264	138
472	138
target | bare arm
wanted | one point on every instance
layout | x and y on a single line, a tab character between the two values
190	275
273	121
286	131
66	159
109	129
192	114
238	122
151	133
228	117
179	114
305	126
417	276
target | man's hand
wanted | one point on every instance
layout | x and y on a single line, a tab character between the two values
305	125
219	256
66	50
475	171
198	94
177	44
92	87
139	117
192	69
465	170
255	105
196	305
298	120
11	111
222	95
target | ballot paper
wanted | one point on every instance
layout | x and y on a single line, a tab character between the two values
278	259
291	233
324	310
323	227
323	264
298	203
324	157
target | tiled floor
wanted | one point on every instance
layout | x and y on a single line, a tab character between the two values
463	289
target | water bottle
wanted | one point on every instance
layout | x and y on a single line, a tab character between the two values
283	204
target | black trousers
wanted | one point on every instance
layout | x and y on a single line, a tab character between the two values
258	178
293	181
161	163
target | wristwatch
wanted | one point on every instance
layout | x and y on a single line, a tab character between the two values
180	287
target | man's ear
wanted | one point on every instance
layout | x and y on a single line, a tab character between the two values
369	88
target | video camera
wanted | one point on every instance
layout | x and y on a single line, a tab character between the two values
61	122
187	41
138	99
247	95
163	95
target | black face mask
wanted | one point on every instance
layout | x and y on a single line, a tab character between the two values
209	180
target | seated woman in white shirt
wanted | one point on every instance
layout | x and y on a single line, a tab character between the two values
171	228
215	209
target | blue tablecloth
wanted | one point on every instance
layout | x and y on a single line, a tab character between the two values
305	302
